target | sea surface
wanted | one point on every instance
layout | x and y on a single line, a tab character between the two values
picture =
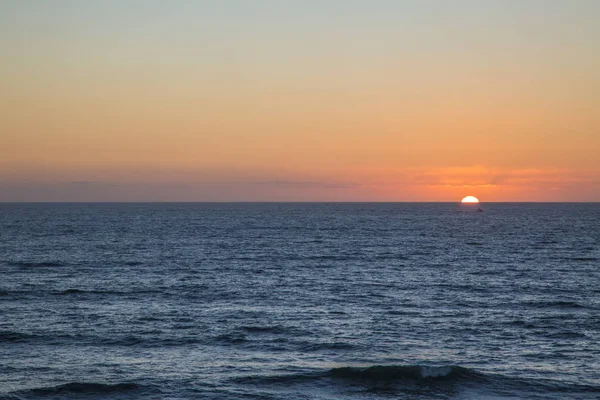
300	301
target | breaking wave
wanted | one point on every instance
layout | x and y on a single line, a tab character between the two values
378	373
400	372
423	380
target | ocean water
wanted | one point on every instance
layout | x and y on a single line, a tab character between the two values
300	301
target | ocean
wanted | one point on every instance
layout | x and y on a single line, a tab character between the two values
300	301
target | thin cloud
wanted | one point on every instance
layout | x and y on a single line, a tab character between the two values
309	184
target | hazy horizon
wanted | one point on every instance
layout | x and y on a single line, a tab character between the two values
298	202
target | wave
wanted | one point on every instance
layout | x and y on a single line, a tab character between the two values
424	380
75	388
133	263
82	291
566	335
13	337
274	329
73	291
252	337
132	340
555	304
402	372
378	373
42	264
328	346
232	338
264	329
146	342
125	293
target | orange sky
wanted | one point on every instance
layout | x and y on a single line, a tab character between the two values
339	102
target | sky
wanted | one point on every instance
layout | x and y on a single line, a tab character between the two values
299	100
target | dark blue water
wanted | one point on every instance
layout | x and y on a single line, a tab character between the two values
300	301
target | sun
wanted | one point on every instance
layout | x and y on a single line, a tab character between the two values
470	199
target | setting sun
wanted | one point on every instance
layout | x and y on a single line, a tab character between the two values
470	199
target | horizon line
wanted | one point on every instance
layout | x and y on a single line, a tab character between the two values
291	202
